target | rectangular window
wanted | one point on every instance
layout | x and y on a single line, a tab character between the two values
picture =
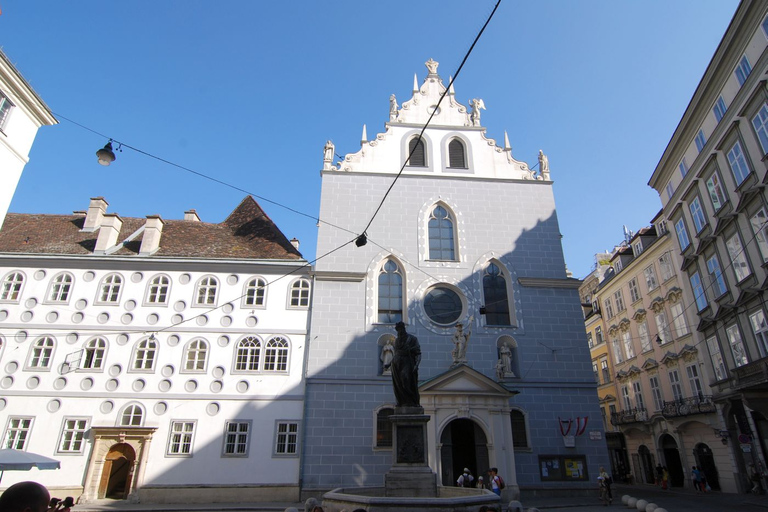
743	69
683	166
625	397
700	140
678	319
759	223
287	438
698	291
645	339
760	328
738	258
628	347
765	26
637	248
236	434
589	340
180	439
677	387
605	371
618	266
619	298
697	214
5	110
682	234
719	109
670	190
737	345
658	398
598	335
72	435
717	358
715	189
694	381
618	355
650	278
662	327
738	163
760	124
716	276
638	389
608	308
665	263
596	372
17	433
634	291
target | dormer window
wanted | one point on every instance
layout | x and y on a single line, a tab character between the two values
417	152
617	266
637	248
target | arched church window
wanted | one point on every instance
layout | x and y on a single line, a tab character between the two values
442	241
390	293
495	294
457	157
519	429
417	151
384	427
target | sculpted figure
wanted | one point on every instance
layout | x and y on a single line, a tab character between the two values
474	115
460	342
499	370
543	165
328	151
387	353
405	368
432	66
392	108
506	358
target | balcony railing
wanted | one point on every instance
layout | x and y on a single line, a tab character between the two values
688	407
635	415
752	374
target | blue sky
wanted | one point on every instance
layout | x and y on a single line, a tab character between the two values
248	92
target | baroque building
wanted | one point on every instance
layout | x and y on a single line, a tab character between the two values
468	235
711	180
158	360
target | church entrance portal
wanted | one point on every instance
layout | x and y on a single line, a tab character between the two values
117	472
673	462
463	445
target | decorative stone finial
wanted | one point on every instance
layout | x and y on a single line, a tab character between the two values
450	86
432	67
507	147
364	139
415	84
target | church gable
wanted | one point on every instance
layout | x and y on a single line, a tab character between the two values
465	380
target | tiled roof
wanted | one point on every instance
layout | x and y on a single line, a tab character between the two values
248	233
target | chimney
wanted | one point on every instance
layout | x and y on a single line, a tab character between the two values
191	215
153	229
108	232
295	243
96	211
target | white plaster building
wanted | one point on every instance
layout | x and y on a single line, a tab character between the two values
158	360
468	234
22	112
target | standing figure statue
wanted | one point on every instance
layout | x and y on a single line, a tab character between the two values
543	165
460	342
328	152
392	108
474	115
405	368
506	359
387	353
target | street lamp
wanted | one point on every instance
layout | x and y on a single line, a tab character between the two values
105	155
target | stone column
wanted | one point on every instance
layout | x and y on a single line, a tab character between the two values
410	474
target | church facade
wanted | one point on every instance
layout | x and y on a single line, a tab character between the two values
465	250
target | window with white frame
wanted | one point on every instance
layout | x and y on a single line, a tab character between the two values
738	258
715	189
519	429
457	158
618	354
697	214
716	276
650	278
236	438
619	298
629	349
693	379
598	335
157	290
638	391
678	319
180	439
608	307
17	432
700	140
41	353
255	292
665	264
384	428
677	387
626	398
73	435
417	151
300	293
618	266
206	291
759	222
61	286
287	438
737	345
441	235
719	109
682	234
11	289
276	355
634	291
132	416
248	354
5	110
596	372
645	338
717	358
658	398
495	295
93	354
606	372
390	287
662	327
590	341
670	188
738	163
760	329
743	69
196	356
760	124
144	355
698	291
637	248
109	290
683	166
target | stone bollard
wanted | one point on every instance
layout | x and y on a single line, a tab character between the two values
515	506
641	505
625	499
651	507
631	502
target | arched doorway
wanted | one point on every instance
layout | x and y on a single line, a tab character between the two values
645	460
463	445
706	463
672	460
116	474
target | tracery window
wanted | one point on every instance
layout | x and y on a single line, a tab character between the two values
496	298
248	354
442	239
390	298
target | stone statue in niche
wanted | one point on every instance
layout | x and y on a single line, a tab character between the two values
392	108
499	370
405	368
543	165
460	342
387	353
505	359
474	115
328	151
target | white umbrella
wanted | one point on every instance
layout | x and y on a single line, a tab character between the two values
16	460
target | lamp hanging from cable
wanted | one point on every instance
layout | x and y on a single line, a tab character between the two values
105	155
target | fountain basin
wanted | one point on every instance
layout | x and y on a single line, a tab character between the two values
373	499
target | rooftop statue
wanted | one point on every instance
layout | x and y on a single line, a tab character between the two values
474	115
405	368
392	108
328	152
543	165
432	66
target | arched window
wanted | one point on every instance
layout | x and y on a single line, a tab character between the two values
441	235
457	158
61	286
519	429
109	290
417	151
93	354
248	353
495	293
157	291
132	416
42	352
384	427
276	355
255	289
390	293
300	293
12	284
206	291
196	356
144	355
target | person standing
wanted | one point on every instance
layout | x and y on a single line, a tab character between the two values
466	479
696	478
605	486
664	478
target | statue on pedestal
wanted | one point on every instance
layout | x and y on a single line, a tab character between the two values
328	152
543	165
460	342
474	115
405	368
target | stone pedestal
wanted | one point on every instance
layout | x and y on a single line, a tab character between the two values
410	474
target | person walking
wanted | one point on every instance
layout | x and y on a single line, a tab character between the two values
605	481
696	478
497	483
